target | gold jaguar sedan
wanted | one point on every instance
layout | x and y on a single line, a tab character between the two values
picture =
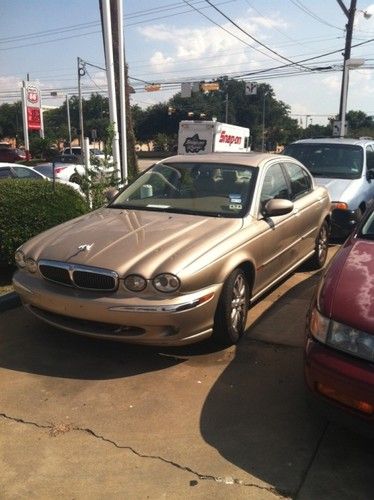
180	254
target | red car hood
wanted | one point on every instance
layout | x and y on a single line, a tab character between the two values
347	294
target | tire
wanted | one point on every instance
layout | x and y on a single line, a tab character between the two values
319	257
231	314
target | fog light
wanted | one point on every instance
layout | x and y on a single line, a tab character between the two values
345	399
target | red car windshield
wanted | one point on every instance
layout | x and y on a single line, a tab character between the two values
367	230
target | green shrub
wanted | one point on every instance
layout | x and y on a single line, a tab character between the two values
28	207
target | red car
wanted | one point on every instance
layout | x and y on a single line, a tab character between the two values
339	351
11	155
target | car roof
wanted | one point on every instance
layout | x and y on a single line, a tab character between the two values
252	159
7	164
335	140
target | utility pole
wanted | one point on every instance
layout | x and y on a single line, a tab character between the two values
81	72
350	14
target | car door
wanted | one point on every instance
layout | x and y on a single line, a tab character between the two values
307	209
273	247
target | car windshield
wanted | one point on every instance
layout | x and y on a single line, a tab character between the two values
367	230
336	161
219	190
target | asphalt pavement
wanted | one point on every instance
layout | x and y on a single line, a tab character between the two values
81	418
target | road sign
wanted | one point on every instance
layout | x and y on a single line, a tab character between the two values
209	87
186	89
154	87
250	88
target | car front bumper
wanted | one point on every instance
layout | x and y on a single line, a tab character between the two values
343	222
166	321
337	383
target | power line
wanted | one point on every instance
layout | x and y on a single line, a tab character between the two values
307	11
229	32
251	36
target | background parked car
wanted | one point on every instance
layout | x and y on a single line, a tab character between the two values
11	171
346	168
339	352
11	155
67	168
94	152
180	254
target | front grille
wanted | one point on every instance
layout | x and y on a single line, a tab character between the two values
78	276
57	274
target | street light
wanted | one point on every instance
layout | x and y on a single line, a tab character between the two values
348	64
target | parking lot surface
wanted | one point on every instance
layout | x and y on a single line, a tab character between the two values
81	418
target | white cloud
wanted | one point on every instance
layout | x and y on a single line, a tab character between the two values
159	62
209	48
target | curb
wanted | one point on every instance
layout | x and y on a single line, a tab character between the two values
9	301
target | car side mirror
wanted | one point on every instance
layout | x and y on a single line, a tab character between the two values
276	207
370	175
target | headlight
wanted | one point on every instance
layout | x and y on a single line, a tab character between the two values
31	265
318	325
341	337
135	283
352	341
166	282
19	257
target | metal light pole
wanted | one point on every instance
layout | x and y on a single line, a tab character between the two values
348	64
122	91
81	72
68	117
263	123
111	82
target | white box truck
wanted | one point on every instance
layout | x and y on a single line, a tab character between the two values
199	137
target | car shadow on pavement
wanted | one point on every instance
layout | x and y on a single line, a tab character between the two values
28	345
256	414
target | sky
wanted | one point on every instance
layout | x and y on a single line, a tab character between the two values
172	41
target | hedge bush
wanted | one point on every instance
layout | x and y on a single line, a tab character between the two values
28	207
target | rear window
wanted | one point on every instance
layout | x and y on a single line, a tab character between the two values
336	161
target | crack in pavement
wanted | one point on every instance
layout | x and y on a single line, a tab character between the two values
314	454
54	431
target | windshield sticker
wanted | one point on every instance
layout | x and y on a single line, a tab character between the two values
235	198
237	206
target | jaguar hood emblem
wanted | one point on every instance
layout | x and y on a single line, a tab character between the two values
85	247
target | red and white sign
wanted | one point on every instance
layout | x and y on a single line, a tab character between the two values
229	139
34	121
33	104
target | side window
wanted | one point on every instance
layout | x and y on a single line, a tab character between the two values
274	186
370	158
5	173
25	173
299	180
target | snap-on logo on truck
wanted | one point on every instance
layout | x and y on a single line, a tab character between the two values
229	139
194	144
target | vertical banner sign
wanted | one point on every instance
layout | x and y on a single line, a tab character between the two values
33	105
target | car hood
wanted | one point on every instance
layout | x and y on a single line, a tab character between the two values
335	187
133	241
347	295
